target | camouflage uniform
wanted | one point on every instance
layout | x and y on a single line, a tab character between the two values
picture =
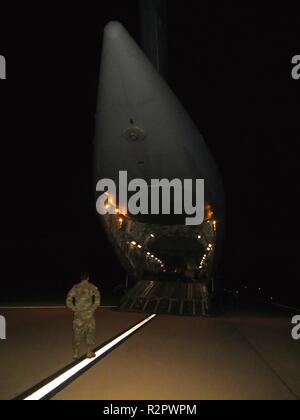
83	299
204	298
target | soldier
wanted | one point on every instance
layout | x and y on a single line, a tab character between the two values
204	298
84	299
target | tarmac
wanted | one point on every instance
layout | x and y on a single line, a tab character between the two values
241	355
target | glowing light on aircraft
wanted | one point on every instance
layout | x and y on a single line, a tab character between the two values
215	225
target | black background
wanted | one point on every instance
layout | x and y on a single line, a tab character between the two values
230	65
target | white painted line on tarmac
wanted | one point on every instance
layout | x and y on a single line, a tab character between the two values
66	376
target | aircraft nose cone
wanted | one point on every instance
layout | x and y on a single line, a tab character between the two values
113	29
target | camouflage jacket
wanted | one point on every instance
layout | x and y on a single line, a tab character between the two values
83	299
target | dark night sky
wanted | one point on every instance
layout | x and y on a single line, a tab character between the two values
231	68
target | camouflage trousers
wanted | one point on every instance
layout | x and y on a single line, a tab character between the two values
84	331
